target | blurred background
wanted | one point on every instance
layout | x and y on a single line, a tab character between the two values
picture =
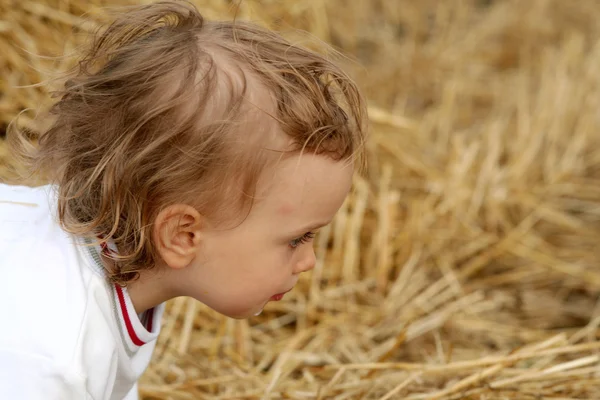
465	264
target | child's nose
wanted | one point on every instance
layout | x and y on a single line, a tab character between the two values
307	262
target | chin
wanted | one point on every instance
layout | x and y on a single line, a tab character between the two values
237	314
239	317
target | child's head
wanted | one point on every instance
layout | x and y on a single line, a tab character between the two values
176	132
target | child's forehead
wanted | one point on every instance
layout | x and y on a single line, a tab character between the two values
293	179
304	189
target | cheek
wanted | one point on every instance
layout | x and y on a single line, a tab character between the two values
270	266
266	272
249	260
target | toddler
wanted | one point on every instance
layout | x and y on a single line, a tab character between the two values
184	158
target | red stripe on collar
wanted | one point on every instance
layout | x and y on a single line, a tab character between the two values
134	338
122	304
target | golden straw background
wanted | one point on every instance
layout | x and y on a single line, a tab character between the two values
465	265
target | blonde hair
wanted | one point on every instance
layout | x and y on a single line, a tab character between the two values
135	128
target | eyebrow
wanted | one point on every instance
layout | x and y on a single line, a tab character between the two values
311	227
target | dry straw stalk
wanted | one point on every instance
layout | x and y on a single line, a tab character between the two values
465	264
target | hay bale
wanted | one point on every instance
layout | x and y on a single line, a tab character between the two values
465	266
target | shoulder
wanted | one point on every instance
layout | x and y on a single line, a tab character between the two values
25	195
23	208
51	297
43	378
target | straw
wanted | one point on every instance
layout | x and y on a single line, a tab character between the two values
463	265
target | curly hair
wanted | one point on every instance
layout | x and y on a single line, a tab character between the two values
162	109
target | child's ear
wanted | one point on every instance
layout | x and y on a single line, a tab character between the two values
177	235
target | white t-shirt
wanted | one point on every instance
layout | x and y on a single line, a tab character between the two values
65	331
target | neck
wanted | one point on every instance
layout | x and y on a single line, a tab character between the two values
150	289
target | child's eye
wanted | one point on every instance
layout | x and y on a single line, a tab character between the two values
308	236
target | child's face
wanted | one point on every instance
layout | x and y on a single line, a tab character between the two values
238	271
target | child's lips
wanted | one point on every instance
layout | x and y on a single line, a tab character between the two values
278	296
